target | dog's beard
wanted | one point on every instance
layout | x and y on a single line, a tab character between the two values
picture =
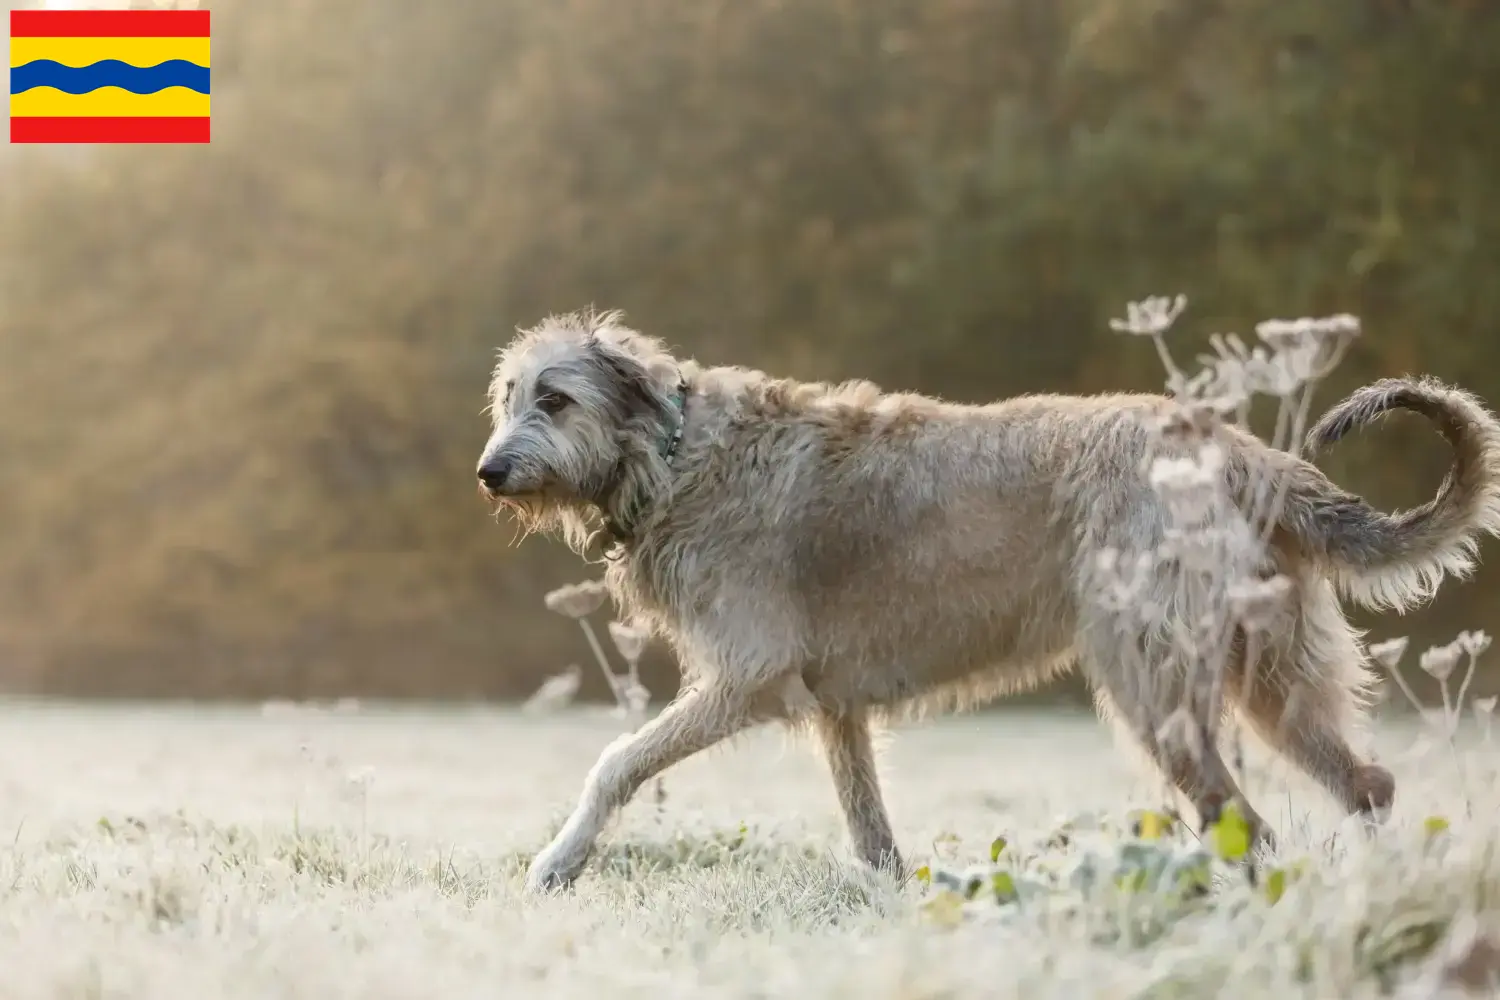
540	514
529	511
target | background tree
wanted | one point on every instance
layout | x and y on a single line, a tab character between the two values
239	403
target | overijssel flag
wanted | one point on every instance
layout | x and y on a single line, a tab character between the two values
109	76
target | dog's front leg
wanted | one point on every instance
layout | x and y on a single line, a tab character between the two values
851	761
696	720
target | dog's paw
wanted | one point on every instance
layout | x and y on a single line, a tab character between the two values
548	882
1374	790
552	872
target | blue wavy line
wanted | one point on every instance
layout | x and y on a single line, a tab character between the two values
109	73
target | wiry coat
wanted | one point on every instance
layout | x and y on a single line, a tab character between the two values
819	553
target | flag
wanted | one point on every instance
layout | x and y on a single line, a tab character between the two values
109	75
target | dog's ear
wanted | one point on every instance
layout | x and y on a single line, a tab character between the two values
647	352
639	390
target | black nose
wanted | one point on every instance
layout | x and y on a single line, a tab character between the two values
494	472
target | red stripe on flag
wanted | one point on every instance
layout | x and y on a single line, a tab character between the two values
108	129
109	24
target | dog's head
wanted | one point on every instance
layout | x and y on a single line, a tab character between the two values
581	405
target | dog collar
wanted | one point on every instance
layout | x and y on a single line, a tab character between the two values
618	532
669	446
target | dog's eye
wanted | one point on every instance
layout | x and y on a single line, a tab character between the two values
552	402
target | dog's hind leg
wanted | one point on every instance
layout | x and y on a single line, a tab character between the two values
1295	719
851	761
699	718
1303	702
1171	720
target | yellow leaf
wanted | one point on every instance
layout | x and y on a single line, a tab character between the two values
924	875
996	847
1151	825
1231	834
946	909
1435	825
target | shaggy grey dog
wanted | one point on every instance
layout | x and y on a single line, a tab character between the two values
818	554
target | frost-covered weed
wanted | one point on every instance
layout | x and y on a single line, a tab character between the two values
632	699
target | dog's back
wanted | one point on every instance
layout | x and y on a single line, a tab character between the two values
888	544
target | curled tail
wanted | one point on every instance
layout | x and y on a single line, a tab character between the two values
1396	560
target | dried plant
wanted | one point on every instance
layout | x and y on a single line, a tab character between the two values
631	643
632	698
556	692
577	601
1218	541
1484	714
1388	653
1440	663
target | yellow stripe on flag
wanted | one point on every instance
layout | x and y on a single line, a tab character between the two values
86	51
108	102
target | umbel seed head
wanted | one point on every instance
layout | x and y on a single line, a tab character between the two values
1388	653
577	600
629	640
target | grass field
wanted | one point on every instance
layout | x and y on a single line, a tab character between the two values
200	853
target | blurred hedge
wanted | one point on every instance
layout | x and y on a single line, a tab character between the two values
241	383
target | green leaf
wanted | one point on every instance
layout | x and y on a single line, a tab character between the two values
1191	874
942	879
1193	882
1231	834
1004	886
1131	881
1275	885
1407	939
997	847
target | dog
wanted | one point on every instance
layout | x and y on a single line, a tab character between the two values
828	554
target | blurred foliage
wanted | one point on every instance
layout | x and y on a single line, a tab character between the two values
241	383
